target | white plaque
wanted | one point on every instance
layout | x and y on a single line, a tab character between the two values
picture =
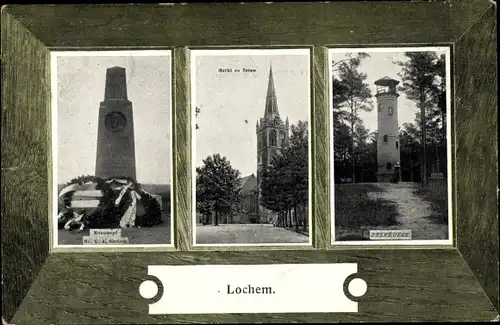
275	288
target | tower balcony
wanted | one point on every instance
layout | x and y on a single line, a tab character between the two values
386	86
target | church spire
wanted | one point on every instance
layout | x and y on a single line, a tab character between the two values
271	101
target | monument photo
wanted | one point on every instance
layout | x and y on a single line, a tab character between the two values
251	152
391	150
111	148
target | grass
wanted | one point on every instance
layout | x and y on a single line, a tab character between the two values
438	198
354	209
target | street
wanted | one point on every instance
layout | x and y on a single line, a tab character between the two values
247	234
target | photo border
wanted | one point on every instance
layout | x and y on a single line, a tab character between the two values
195	52
53	185
449	148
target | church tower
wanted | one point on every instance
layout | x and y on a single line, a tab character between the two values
388	151
272	136
115	135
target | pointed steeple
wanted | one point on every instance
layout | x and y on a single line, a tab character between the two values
271	101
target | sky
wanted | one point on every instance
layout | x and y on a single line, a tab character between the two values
379	65
80	89
231	103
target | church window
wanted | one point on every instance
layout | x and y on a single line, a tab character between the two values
282	138
390	111
385	138
397	145
272	138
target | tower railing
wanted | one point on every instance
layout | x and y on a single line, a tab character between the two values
381	90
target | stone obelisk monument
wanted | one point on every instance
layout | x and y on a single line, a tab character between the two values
115	137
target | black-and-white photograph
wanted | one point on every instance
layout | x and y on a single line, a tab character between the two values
390	140
111	145
251	152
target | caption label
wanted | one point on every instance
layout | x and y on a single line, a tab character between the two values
276	288
390	234
105	237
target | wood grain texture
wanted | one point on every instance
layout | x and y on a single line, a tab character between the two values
24	199
338	22
477	155
321	149
182	149
404	284
103	287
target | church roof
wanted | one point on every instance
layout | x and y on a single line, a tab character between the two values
271	100
243	180
248	184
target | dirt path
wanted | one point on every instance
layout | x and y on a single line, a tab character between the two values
413	211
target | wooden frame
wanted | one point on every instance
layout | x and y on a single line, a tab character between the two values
410	284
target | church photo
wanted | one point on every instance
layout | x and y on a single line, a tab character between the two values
111	148
391	145
251	130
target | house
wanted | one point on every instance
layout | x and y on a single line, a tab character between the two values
248	208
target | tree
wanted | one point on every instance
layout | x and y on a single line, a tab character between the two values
439	95
297	157
204	205
420	74
197	112
217	187
275	194
410	148
352	94
438	92
370	161
284	185
350	58
361	153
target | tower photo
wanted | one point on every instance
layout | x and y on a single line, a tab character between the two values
109	109
388	154
390	146
251	147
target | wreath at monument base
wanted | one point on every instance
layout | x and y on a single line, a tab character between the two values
121	204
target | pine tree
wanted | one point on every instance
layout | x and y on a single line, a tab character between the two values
352	94
420	74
